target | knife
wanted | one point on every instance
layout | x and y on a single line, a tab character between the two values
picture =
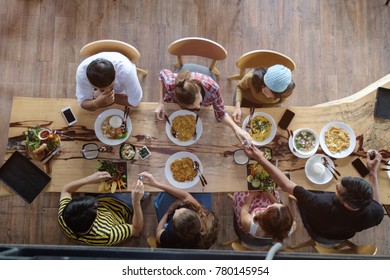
51	155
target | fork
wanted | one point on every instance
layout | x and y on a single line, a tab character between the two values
174	132
126	112
251	112
196	121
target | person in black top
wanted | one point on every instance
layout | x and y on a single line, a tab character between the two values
355	206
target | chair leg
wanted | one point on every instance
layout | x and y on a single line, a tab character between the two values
142	71
230	242
234	77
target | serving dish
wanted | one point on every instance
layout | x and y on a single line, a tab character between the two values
344	127
169	174
118	172
104	117
316	172
262	128
199	128
305	141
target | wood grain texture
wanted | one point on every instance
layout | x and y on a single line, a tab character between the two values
339	47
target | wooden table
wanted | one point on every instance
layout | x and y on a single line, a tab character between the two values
215	147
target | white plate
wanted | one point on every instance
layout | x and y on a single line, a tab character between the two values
169	175
313	177
352	138
295	152
98	127
273	128
199	128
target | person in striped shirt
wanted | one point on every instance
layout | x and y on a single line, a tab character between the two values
101	221
191	90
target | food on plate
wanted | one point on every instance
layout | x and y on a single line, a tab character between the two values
40	147
305	141
259	128
259	179
115	121
118	171
113	132
183	170
318	169
185	126
127	151
337	139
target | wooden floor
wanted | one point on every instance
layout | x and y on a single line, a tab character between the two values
339	47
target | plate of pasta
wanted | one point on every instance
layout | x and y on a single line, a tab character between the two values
184	122
261	127
179	170
337	140
109	127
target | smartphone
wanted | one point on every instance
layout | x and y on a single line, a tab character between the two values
68	115
360	167
286	119
144	152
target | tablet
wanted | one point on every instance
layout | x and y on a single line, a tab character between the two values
382	103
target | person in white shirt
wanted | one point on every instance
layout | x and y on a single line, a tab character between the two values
107	78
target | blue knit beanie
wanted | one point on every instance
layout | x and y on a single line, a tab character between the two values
277	78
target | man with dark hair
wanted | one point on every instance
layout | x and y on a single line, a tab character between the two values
355	206
102	220
106	78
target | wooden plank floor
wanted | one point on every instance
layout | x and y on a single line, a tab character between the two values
339	47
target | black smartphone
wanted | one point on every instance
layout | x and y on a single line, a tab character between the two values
286	119
360	167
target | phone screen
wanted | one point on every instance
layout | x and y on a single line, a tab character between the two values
360	167
68	114
286	119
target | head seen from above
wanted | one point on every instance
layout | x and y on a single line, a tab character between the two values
275	80
276	220
187	92
101	73
79	214
356	192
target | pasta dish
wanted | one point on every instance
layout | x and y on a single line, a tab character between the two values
183	170
185	126
259	128
337	139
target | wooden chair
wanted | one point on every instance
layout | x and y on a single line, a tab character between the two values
261	58
113	46
152	242
196	46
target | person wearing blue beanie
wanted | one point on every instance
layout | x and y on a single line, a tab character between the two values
263	87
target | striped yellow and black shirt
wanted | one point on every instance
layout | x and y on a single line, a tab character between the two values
110	226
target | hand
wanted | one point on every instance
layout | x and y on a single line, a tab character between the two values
243	135
160	111
149	179
236	116
253	152
105	98
98	176
373	164
138	191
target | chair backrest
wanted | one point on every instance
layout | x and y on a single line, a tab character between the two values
113	46
347	247
196	46
261	58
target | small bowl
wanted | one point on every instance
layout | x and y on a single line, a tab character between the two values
44	134
90	151
309	133
127	151
240	157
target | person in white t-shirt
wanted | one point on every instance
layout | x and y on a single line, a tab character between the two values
107	78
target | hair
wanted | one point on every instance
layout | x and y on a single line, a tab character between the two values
79	214
185	88
358	192
198	225
101	73
258	83
275	221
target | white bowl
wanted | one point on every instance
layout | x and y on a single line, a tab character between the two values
273	128
313	148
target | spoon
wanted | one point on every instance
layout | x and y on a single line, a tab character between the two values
325	162
201	177
334	169
174	132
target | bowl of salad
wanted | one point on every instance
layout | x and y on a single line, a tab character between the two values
305	141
